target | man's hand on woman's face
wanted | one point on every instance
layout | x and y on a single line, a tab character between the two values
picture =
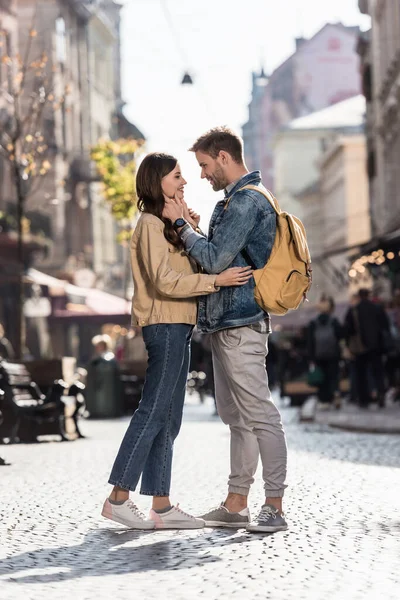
188	214
177	208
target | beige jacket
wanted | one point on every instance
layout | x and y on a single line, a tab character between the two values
166	281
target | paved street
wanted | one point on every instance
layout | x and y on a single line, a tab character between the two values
342	506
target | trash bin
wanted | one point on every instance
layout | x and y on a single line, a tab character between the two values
103	387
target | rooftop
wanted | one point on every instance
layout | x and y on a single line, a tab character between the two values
348	113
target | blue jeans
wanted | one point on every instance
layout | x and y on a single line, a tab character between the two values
146	449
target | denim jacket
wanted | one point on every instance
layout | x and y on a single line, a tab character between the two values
239	236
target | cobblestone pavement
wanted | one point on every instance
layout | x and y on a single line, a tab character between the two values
342	506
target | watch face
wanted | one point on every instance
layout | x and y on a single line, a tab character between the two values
179	222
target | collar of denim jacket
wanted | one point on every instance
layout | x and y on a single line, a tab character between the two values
252	177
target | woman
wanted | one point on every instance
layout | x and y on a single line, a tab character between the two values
166	284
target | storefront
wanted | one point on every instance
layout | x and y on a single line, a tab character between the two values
10	278
377	266
77	315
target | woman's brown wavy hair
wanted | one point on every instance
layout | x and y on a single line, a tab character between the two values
152	169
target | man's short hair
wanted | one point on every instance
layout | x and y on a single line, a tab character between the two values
217	139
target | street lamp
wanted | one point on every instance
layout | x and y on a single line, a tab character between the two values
187	79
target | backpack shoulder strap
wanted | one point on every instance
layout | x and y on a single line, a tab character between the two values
267	194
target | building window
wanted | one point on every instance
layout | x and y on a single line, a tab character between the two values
61	40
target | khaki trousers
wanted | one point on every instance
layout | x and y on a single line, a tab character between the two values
244	403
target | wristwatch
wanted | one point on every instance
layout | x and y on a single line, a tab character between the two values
179	223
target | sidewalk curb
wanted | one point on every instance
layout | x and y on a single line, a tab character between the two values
365	428
361	423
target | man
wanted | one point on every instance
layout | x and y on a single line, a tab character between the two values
323	340
242	233
368	337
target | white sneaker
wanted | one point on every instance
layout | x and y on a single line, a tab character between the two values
175	518
126	514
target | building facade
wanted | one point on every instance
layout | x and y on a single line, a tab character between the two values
321	177
82	45
380	57
322	71
344	216
8	47
61	32
298	146
102	40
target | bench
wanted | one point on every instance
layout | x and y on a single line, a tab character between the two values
28	413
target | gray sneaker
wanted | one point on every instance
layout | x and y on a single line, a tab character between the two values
221	517
268	521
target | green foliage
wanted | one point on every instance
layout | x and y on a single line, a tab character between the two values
116	166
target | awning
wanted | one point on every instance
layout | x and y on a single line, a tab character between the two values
81	302
385	240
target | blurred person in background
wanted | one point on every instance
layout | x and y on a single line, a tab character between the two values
368	333
103	385
324	336
101	345
166	286
131	347
349	359
6	349
392	365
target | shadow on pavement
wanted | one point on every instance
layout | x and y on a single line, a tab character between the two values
107	552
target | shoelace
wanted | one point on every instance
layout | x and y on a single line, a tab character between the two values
184	513
266	512
132	506
217	507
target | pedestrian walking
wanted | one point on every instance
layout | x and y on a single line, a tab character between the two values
393	356
324	336
166	284
367	333
350	359
242	233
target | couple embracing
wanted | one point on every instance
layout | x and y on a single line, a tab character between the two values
183	278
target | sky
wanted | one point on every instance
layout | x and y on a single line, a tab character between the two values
220	43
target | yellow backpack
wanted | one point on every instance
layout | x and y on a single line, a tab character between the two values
282	284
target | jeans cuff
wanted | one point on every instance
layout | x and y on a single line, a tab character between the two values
236	489
158	493
122	486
